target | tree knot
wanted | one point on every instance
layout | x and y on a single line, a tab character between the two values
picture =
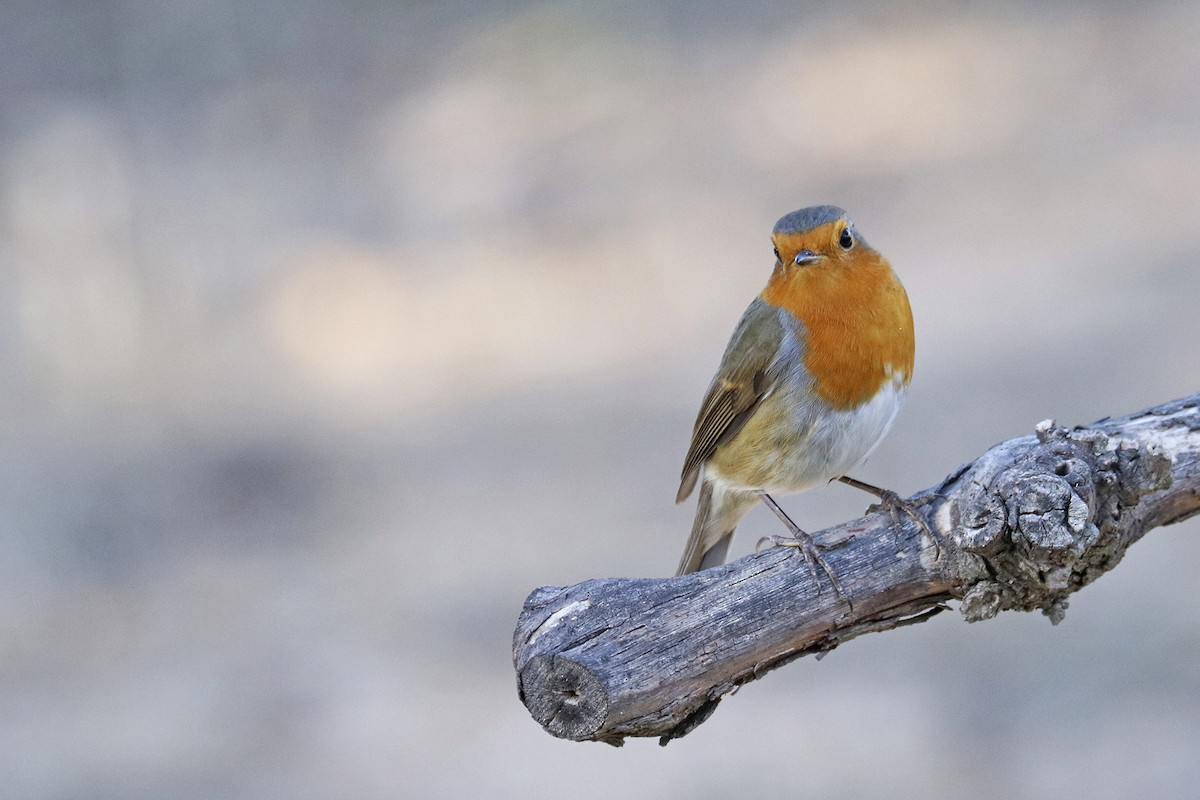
1044	524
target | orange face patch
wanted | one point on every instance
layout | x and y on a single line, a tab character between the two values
822	239
854	310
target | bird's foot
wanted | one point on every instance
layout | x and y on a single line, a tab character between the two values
894	504
802	541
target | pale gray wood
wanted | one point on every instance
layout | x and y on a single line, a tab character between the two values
1021	527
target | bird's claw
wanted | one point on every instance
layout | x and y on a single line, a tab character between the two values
812	558
893	503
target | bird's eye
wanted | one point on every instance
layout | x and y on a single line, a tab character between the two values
846	240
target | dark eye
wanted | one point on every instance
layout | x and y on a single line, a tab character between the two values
846	240
777	256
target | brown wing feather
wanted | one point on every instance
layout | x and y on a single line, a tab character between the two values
742	381
726	409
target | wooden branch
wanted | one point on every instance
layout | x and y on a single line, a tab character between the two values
1024	525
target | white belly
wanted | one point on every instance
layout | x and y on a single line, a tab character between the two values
841	440
821	445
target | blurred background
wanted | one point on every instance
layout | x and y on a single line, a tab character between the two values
329	331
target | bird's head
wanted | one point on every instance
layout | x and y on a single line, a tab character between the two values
818	237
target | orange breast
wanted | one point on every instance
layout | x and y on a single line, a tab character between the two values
858	324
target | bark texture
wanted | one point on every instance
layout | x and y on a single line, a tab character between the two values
1023	526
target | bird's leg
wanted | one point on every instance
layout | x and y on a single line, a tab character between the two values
807	546
894	503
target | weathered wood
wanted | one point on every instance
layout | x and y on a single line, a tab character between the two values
1024	525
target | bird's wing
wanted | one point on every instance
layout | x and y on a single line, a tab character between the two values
744	378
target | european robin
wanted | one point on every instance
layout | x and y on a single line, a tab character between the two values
809	384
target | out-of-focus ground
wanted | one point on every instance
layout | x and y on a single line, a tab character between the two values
329	331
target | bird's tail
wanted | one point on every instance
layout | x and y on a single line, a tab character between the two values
717	514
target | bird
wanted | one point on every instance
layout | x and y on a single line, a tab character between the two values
810	382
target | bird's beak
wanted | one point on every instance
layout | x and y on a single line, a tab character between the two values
806	257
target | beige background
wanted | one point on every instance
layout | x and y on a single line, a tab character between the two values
329	331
